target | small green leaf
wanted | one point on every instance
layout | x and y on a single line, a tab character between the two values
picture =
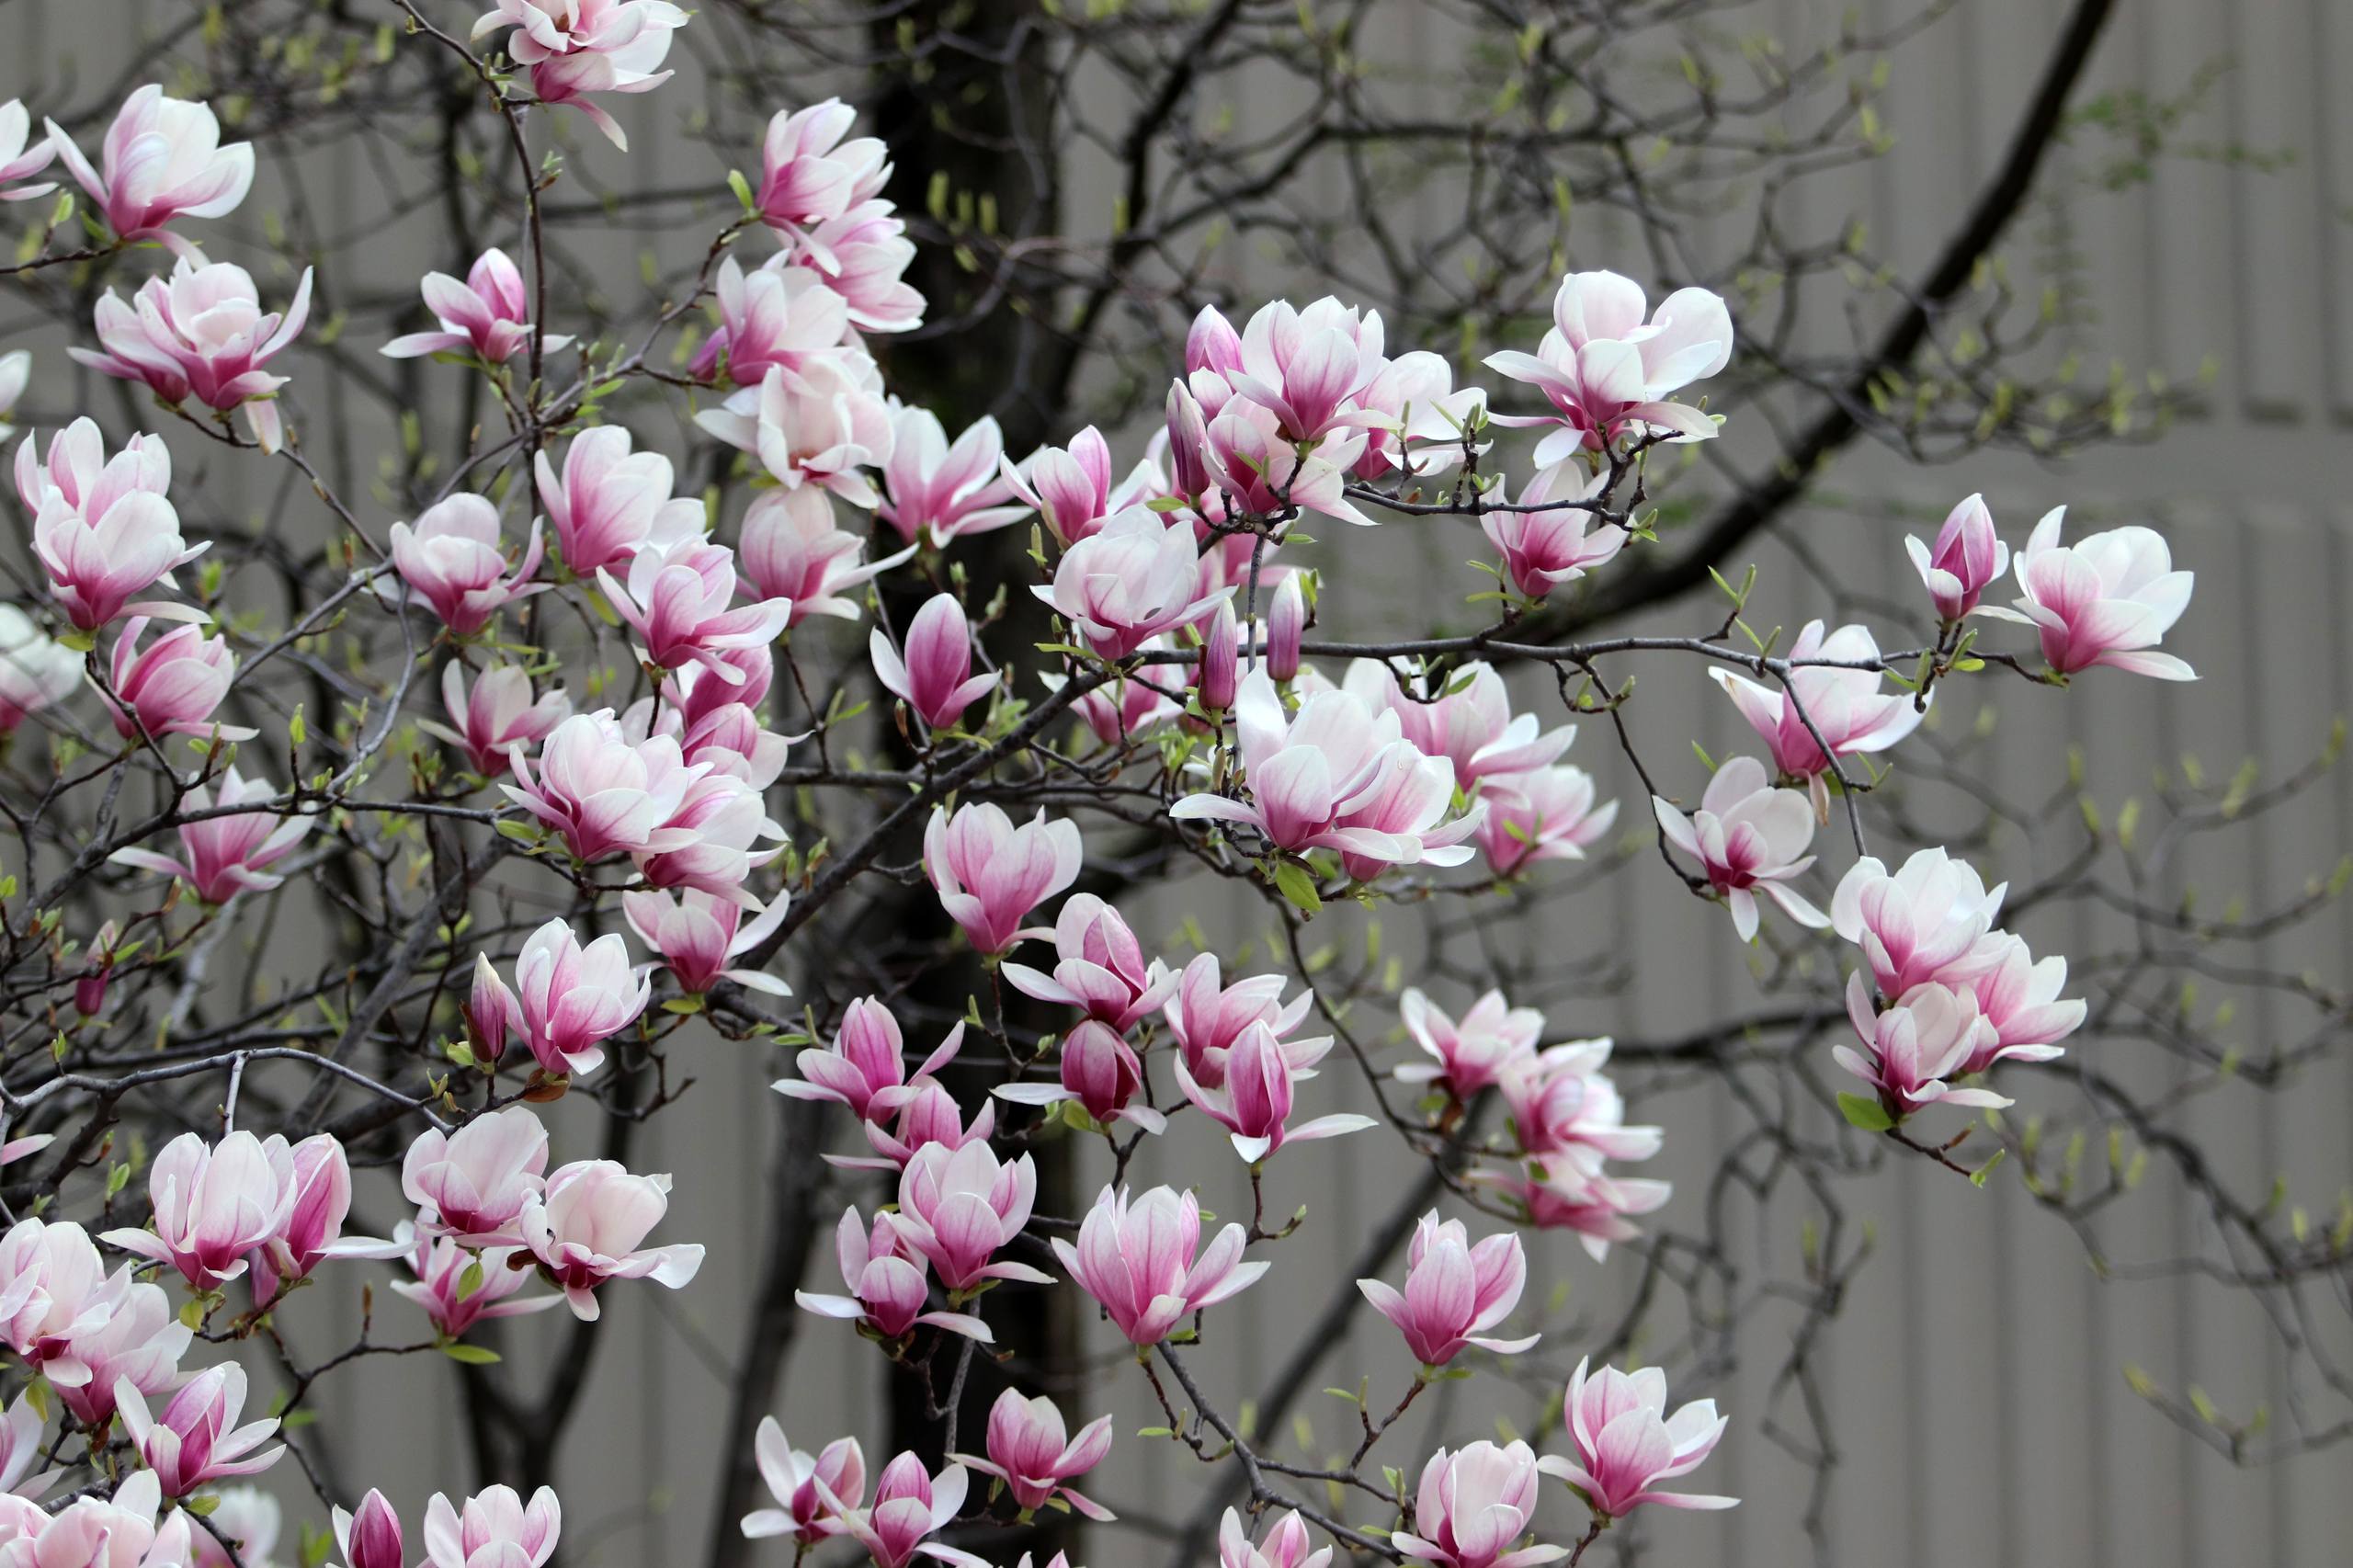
1295	882
1861	1111
471	1354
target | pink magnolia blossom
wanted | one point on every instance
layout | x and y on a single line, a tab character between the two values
97	1532
1100	1073
19	163
35	671
1967	557
822	427
715	725
171	688
1124	708
930	1117
1598	1208
138	1339
203	335
196	1438
1845	705
471	1185
1069	488
699	932
680	600
611	500
321	1182
1207	1016
865	1068
2018	998
574	48
2106	599
958	1206
574	997
1473	1508
888	1290
161	160
1454	1292
1286	1544
1928	1035
990	875
1562	1104
728	821
103	528
371	1538
1748	837
456	1289
1031	1451
1466	1056
586	1227
1264	473
1129	580
452	557
1546	814
1471	723
776	317
1626	1442
869	255
247	1521
1547	538
1310	368
489	314
1609	375
1253	1103
791	550
1927	922
493	1015
1099	967
224	855
497	717
810	174
800	1484
214	1205
53	1287
1217	667
938	492
1138	1261
1416	419
1286	628
934	676
600	793
910	1507
495	1529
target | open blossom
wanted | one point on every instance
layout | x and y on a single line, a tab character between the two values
203	335
1137	1259
934	675
1129	580
1454	1292
495	1530
1466	1056
822	427
1417	417
196	1439
790	548
161	160
222	856
958	1206
1598	1208
602	794
35	671
1264	472
775	316
496	717
453	1301
1562	1105
98	1532
1253	1103
698	932
611	500
103	528
139	1340
680	600
1608	374
471	1184
1968	555
587	1226
452	557
888	1289
214	1205
865	1068
489	313
1626	1442
171	688
321	1182
1471	723
1748	837
910	1506
1208	1015
728	820
937	492
802	1483
53	1286
1928	1036
1546	814
573	998
574	48
2018	998
1286	1544
19	163
2106	599
990	874
809	172
1546	537
1031	1451
1472	1508
1100	1073
1845	705
930	1116
1927	922
1310	368
1069	488
371	1538
1099	966
869	255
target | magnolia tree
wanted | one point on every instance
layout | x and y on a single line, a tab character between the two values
551	749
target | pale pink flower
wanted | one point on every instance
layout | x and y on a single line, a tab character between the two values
1099	967
20	1448
910	1506
1263	474
19	163
1968	555
1473	1508
773	317
822	427
1598	1208
97	1532
172	687
865	1068
1286	1544
1748	837
1546	537
727	820
934	676
370	1539
1845	705
791	550
498	716
937	491
1254	1102
1562	1104
574	998
680	600
698	932
458	1289
203	335
1207	1016
497	1529
1069	488
214	1205
1626	1442
810	174
611	500
1125	708
196	1438
53	1286
1129	580
1310	368
313	1232
715	726
452	557
161	160
1415	419
1471	723
1608	375
1928	1035
1033	1453
137	1339
1468	1055
602	794
228	853
586	1229
488	314
471	1185
888	1291
2018	996
2106	599
35	671
574	48
958	1206
249	1521
1546	814
1454	1292
870	253
1100	1073
929	1117
990	875
103	528
1927	922
1137	1260
802	1484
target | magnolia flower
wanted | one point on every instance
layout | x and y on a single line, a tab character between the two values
451	557
1565	1195
1100	1073
958	1206
1546	814
489	313
471	1185
1309	369
172	687
934	676
937	491
820	427
585	1230
727	819
1286	1544
1262	473
225	854
1562	1104
698	932
990	874
1122	709
611	500
35	671
1968	555
1207	1016
791	550
497	1529
1416	420
574	48
1845	706
680	601
214	1205
1546	537
600	793
2106	599
1454	1291
1137	1260
808	173
102	527
1099	967
573	998
1253	1103
1626	1442
97	1532
1471	723
137	1339
909	1506
201	334
1472	1508
497	718
1928	1035
865	1068
458	1289
1069	488
1609	375
247	1519
1466	1056
801	1486
1217	668
53	1286
370	1539
18	163
887	1288
20	1449
320	1180
196	1438
870	253
162	161
1927	922
1749	838
1030	1452
775	317
2019	999
929	1118
1285	627
1129	580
